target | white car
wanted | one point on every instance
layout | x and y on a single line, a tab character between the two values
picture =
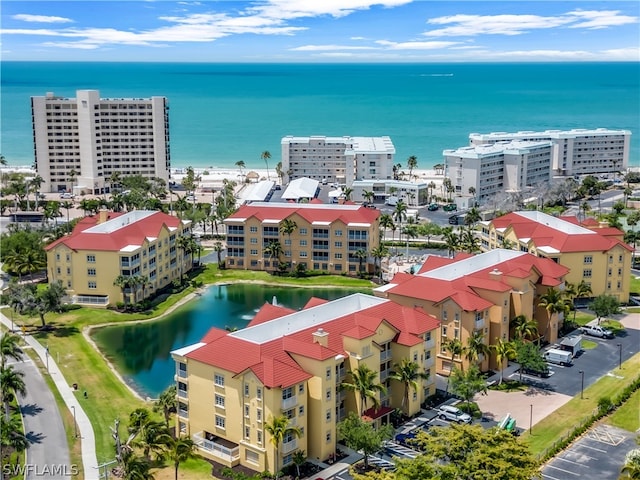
597	331
454	414
66	195
190	198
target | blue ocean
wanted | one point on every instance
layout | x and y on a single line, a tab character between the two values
223	113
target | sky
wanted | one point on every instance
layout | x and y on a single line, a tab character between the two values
320	31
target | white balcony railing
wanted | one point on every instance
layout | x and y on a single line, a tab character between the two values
225	453
428	363
183	413
182	393
290	402
288	447
479	324
182	373
385	355
429	344
384	374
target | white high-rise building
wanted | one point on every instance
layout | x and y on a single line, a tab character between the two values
95	137
575	152
498	167
337	159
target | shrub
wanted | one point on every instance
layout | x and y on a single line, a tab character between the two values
604	404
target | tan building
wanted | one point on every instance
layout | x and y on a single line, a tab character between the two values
594	253
142	244
292	363
479	293
325	237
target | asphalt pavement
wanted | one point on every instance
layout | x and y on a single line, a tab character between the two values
48	452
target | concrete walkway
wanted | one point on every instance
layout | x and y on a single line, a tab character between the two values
329	471
85	430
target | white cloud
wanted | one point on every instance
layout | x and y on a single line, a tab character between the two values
41	18
357	38
471	25
415	45
321	48
290	9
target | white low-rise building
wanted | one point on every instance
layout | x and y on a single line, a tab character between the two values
340	160
578	151
411	193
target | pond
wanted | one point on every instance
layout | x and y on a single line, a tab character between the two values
141	352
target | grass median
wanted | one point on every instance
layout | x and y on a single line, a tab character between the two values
562	421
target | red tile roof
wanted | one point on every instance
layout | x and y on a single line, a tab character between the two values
269	312
314	301
273	362
311	213
132	234
375	413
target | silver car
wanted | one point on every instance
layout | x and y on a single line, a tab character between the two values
454	414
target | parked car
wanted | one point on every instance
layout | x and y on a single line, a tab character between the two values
543	372
597	331
66	195
561	357
454	414
190	198
450	207
433	207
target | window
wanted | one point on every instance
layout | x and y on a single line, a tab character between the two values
328	437
301	410
303	243
90	258
254	251
57	256
328	395
259	415
253	240
337	244
219	401
586	273
247	432
301	389
92	285
253	229
328	415
58	270
259	437
218	380
259	393
287	393
246	389
609	273
444	314
246	410
415	396
303	231
338	233
220	421
588	259
91	272
415	356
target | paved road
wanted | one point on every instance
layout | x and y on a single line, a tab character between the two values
48	452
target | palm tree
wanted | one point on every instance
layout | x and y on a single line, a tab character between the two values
167	403
368	196
412	162
265	156
299	457
136	468
72	177
386	222
273	250
408	373
35	184
553	302
12	436
279	172
452	240
180	450
583	290
218	247
472	192
363	381
524	328
347	192
9	347
183	243
361	255
631	467
123	282
278	428
476	347
67	205
11	383
287	227
400	214
378	253
455	348
152	438
240	164
504	351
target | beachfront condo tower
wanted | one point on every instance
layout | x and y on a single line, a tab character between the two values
338	160
575	152
80	142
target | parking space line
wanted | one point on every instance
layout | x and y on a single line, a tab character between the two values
563	470
592	448
545	475
571	461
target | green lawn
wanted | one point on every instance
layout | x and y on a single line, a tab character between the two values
635	285
561	422
588	344
627	416
582	318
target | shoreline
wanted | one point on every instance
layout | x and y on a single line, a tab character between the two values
86	331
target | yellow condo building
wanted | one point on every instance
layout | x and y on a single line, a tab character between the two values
142	244
479	294
594	253
330	238
292	363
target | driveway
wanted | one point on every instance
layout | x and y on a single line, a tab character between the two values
48	452
598	454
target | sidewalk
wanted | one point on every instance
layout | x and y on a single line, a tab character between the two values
331	470
85	430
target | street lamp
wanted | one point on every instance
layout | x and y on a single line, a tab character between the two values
582	384
75	425
46	354
619	345
531	420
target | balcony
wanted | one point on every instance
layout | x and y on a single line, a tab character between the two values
183	412
288	447
218	447
384	374
183	393
288	403
430	344
428	363
479	324
182	373
385	355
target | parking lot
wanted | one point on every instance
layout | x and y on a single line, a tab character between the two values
594	456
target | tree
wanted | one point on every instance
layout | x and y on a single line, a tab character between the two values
136	468
400	213
361	255
408	373
504	351
123	282
524	328
553	302
386	222
35	184
368	195
429	230
9	348
12	436
528	357
476	347
299	457
278	428
412	162
605	305
287	227
378	253
467	383
11	384
279	171
363	382
241	165
455	348
361	436
631	468
452	240
347	192
167	403
468	452
72	177
153	438
265	156
273	250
